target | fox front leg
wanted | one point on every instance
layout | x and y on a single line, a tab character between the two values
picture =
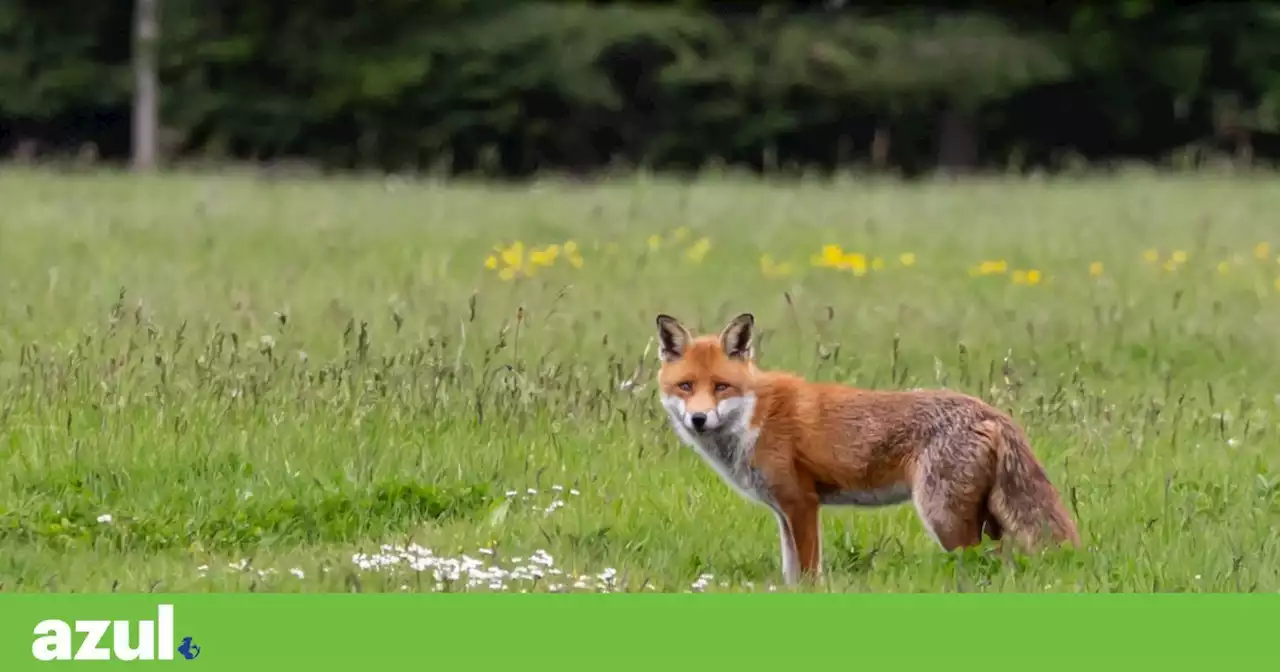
790	554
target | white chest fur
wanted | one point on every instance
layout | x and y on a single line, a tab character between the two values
727	444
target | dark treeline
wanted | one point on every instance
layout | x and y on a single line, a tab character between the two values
508	88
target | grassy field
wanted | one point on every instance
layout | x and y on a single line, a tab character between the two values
222	384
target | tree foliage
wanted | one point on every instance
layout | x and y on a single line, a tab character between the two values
515	87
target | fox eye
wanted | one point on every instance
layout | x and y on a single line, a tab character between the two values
721	387
686	386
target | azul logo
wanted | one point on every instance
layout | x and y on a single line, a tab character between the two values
108	640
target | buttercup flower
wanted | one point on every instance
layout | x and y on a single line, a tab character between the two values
856	262
513	256
698	250
831	257
997	267
1028	277
544	257
571	253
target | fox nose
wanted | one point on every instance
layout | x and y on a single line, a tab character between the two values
698	420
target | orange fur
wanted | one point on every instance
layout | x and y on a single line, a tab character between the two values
795	445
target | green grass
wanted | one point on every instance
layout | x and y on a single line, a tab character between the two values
256	377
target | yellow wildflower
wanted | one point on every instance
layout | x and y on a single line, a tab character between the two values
698	250
544	257
507	273
1152	256
1179	256
1171	265
1095	269
856	262
491	262
991	268
1262	250
832	256
655	242
1033	277
514	256
907	258
1224	267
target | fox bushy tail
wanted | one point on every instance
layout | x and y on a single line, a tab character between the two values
1023	500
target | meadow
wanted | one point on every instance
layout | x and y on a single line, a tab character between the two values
222	383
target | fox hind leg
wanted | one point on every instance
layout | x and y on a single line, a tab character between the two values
990	526
950	492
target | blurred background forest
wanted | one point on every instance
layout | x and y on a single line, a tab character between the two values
511	88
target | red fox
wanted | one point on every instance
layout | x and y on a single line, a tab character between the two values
794	446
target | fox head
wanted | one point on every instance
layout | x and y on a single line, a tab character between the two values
706	381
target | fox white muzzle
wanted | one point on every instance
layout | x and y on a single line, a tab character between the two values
727	411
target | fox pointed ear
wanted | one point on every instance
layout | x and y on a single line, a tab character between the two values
673	338
738	339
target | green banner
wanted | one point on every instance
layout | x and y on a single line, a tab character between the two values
667	632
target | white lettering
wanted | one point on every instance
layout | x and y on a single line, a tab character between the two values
146	649
54	639
165	619
54	642
89	649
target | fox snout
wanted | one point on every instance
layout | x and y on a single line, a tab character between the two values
699	421
695	420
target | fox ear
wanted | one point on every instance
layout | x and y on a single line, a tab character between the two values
738	339
673	338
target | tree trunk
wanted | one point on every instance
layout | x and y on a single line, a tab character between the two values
146	85
957	141
880	147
